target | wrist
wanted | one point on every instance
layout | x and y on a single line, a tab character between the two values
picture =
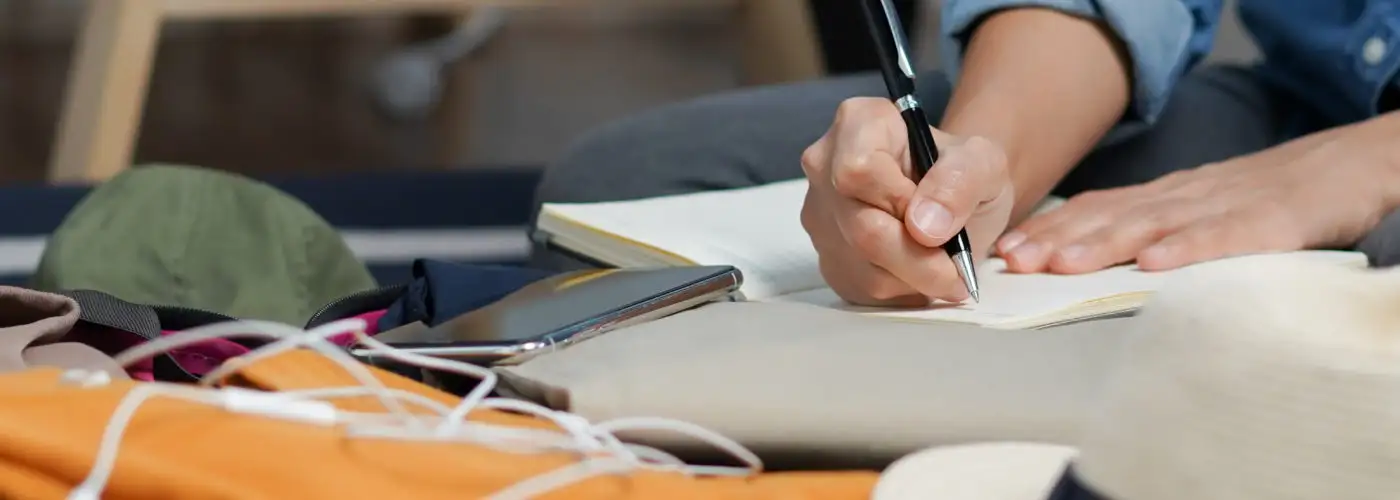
1382	132
1043	85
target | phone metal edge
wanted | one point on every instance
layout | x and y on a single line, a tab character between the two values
725	287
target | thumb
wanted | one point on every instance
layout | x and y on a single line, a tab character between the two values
964	177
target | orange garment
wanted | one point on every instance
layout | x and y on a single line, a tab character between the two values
175	449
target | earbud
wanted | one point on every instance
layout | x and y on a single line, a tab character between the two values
278	406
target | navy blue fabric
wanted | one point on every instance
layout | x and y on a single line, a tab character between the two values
1069	487
417	200
386	199
442	290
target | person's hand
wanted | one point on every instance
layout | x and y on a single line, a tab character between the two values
1319	191
878	234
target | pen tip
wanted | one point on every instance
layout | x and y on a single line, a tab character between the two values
963	261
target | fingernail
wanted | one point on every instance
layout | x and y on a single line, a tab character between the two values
1156	253
1073	253
1025	253
1010	240
931	218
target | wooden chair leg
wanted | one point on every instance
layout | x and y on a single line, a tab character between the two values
106	90
779	42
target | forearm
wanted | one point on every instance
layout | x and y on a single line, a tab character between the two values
1044	85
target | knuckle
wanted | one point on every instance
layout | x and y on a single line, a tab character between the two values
1155	217
851	177
1202	236
849	109
813	159
852	109
951	183
1153	224
951	169
865	243
867	237
991	154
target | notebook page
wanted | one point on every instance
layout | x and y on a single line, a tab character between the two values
756	229
1008	296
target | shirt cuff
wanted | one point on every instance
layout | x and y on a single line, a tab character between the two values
1163	39
1374	53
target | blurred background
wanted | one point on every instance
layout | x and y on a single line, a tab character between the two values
311	94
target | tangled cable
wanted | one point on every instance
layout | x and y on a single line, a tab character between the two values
597	445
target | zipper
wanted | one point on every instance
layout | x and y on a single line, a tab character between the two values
107	310
357	303
180	318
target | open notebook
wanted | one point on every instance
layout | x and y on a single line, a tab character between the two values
758	231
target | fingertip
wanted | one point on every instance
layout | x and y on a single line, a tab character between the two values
1073	259
1010	241
1026	258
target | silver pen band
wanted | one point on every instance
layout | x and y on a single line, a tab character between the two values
907	103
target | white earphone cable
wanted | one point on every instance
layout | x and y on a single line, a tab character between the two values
600	450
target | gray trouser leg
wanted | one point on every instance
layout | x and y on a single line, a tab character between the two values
724	141
753	137
1382	245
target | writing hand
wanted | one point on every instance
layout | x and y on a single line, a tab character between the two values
877	233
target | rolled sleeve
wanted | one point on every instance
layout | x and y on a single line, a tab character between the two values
1164	39
1374	55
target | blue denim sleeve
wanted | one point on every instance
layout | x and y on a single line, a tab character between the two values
1164	38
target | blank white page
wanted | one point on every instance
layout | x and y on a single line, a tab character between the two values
757	230
1008	297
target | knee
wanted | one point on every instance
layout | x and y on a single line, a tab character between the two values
1382	244
626	159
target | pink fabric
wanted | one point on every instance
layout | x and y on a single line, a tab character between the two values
205	356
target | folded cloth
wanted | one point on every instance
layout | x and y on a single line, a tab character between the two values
813	387
173	448
33	327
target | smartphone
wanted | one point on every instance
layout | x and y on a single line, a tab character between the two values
557	311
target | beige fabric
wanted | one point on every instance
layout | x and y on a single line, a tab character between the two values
977	471
32	323
1272	379
840	389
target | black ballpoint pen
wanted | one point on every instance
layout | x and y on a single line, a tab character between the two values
893	51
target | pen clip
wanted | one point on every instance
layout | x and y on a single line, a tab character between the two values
900	44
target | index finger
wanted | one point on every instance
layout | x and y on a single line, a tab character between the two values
870	155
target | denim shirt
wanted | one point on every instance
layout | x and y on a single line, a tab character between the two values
1336	56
